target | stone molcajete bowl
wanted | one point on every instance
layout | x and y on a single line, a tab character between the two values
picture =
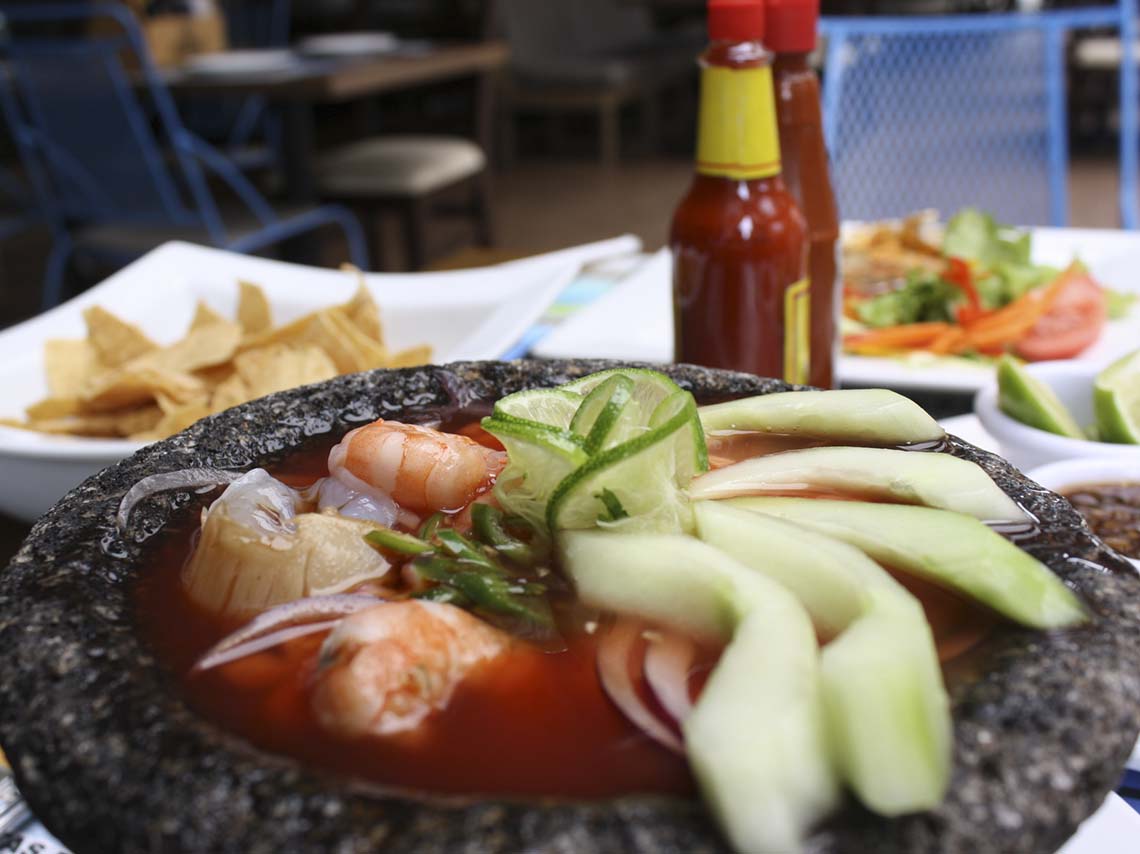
112	760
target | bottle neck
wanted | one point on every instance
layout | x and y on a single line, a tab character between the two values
791	62
737	135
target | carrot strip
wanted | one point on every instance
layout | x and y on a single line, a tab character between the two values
952	341
912	336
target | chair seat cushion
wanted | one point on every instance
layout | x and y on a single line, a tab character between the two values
397	166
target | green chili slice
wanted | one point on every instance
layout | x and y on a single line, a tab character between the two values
396	541
489	528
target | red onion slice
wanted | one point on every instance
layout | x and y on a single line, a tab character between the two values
613	669
166	481
284	623
667	664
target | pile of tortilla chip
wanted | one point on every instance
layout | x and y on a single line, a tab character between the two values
117	382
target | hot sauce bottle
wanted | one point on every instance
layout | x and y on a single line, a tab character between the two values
741	293
790	33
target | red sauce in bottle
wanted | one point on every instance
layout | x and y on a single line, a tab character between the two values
739	241
791	34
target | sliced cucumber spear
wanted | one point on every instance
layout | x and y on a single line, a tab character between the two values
868	416
755	738
909	477
949	549
887	711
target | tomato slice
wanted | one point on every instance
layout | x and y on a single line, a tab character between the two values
1073	323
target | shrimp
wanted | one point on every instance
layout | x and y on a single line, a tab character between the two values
384	669
421	469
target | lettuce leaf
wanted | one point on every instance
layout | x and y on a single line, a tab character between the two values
924	297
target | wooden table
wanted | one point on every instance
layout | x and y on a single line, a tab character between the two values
321	81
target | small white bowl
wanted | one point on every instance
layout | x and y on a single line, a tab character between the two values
1063	475
1027	447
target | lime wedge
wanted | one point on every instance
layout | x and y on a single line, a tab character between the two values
547	407
540	458
1025	398
636	485
1116	401
601	410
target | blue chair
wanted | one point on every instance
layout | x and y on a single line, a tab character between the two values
16	212
114	171
950	111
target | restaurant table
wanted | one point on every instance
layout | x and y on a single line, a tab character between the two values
298	89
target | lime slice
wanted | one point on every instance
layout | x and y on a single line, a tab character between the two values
1116	401
650	390
601	410
547	407
540	458
1025	398
636	485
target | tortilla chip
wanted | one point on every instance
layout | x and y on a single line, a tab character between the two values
331	331
279	367
53	407
216	375
411	358
175	420
100	426
140	384
230	393
115	341
364	313
204	316
367	352
253	313
204	347
138	420
70	365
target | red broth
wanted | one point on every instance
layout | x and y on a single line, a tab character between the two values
533	723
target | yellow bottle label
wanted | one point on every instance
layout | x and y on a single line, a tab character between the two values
737	135
797	332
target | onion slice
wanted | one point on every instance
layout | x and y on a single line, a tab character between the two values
284	623
667	664
165	482
614	651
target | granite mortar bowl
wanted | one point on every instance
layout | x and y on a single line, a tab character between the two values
112	759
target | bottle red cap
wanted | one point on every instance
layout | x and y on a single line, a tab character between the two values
736	20
791	25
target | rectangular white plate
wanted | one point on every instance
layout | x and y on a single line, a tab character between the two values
635	320
466	314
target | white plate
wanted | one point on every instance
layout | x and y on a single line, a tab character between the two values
467	314
237	62
643	327
349	44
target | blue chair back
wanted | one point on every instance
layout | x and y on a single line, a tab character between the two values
951	111
98	131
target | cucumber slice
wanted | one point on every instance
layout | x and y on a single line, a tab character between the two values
907	477
756	736
955	551
643	477
887	710
600	413
867	416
